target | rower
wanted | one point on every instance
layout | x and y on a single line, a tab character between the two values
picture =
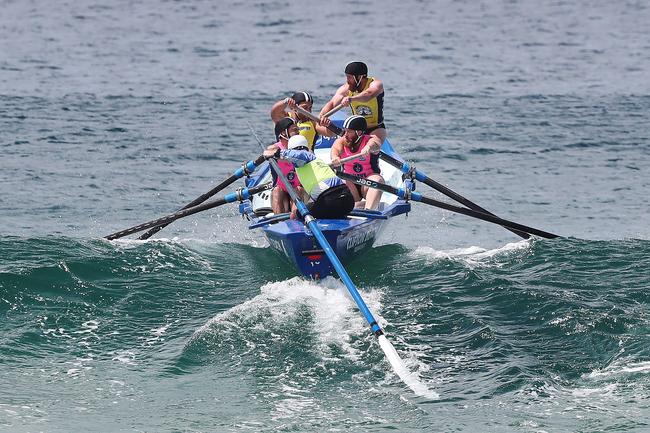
285	128
308	128
364	95
328	196
355	140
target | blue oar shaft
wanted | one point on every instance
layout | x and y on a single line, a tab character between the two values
311	222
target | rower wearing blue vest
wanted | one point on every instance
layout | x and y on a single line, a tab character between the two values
326	195
308	128
356	141
364	95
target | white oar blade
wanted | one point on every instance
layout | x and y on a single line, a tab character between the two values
410	379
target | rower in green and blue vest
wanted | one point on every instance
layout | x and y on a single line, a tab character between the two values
326	195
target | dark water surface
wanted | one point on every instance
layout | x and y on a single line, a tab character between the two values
113	114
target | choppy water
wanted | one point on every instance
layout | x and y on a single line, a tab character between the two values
114	114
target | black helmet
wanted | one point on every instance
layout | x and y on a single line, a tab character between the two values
282	125
356	68
356	123
301	97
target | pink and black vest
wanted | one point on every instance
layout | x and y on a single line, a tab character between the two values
288	170
364	166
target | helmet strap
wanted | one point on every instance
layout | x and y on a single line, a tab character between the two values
357	81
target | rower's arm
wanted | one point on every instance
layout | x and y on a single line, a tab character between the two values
336	99
297	157
323	130
374	145
277	111
335	153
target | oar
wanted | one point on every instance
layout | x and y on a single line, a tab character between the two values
332	127
240	194
333	110
407	169
246	169
349	158
390	352
412	195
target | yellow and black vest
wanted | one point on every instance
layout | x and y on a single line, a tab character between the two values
307	129
372	110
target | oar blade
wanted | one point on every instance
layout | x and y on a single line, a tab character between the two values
410	379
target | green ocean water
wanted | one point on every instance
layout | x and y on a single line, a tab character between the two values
532	336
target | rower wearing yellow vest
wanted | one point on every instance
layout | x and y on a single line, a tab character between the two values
307	127
328	196
364	95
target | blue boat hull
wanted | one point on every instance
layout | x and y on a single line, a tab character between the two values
347	237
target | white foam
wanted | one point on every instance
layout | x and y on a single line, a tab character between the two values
473	255
620	369
336	319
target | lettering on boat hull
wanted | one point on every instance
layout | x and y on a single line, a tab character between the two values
358	241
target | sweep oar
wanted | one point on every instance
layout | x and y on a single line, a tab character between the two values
239	195
406	194
408	169
246	169
390	352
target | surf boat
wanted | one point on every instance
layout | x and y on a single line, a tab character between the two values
348	237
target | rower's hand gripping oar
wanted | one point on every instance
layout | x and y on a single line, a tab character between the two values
246	169
418	175
407	194
239	195
391	354
349	158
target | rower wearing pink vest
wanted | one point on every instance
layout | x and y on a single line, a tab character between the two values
354	141
280	199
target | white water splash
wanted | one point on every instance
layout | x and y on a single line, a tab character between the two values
336	319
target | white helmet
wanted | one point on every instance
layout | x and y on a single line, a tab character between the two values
298	141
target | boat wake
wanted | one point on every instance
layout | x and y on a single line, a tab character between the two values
474	256
319	320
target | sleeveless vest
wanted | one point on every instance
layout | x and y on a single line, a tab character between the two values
288	170
364	166
372	110
307	129
313	176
